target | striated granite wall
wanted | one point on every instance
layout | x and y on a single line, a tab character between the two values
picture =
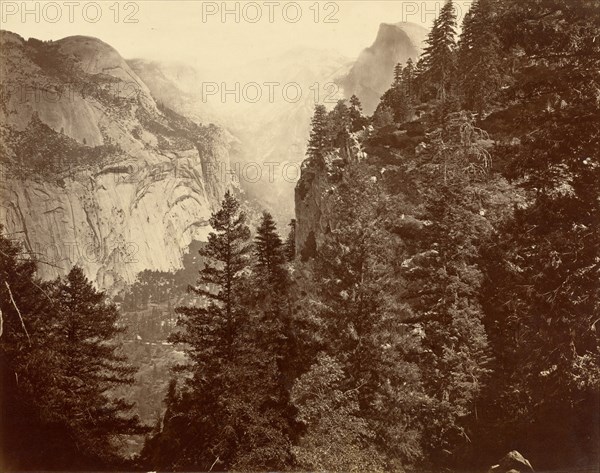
139	185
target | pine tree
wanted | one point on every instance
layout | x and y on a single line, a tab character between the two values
273	308
162	449
396	102
269	251
232	403
318	144
454	361
220	280
420	83
290	242
480	64
91	367
227	248
338	124
399	98
59	362
357	120
439	63
398	75
408	79
337	438
27	367
209	333
350	325
383	117
543	293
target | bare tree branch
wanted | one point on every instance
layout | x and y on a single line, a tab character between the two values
18	312
214	463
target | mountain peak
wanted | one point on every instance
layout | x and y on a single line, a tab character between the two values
95	56
95	163
372	73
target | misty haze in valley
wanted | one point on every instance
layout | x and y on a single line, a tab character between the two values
363	241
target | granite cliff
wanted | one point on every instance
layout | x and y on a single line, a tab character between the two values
315	195
94	171
271	130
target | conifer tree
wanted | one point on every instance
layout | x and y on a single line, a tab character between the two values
91	366
420	87
269	250
227	248
395	101
399	98
209	333
408	79
220	280
317	143
336	437
338	124
59	361
350	326
480	65
543	290
232	403
357	120
271	353
439	62
290	242
383	117
398	75
28	442
273	305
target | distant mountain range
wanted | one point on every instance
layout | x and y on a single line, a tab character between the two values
276	131
113	165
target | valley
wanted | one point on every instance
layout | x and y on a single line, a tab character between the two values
303	261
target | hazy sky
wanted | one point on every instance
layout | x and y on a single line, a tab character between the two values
216	34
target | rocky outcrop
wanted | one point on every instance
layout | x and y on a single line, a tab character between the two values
512	462
178	86
373	71
315	196
94	172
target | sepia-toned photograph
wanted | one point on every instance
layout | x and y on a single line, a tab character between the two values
352	236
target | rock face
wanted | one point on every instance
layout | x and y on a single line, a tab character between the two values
274	129
178	86
271	126
373	72
315	196
512	462
93	172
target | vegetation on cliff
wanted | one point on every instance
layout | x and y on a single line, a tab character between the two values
443	311
483	177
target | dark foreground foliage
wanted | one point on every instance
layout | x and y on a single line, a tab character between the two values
448	314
